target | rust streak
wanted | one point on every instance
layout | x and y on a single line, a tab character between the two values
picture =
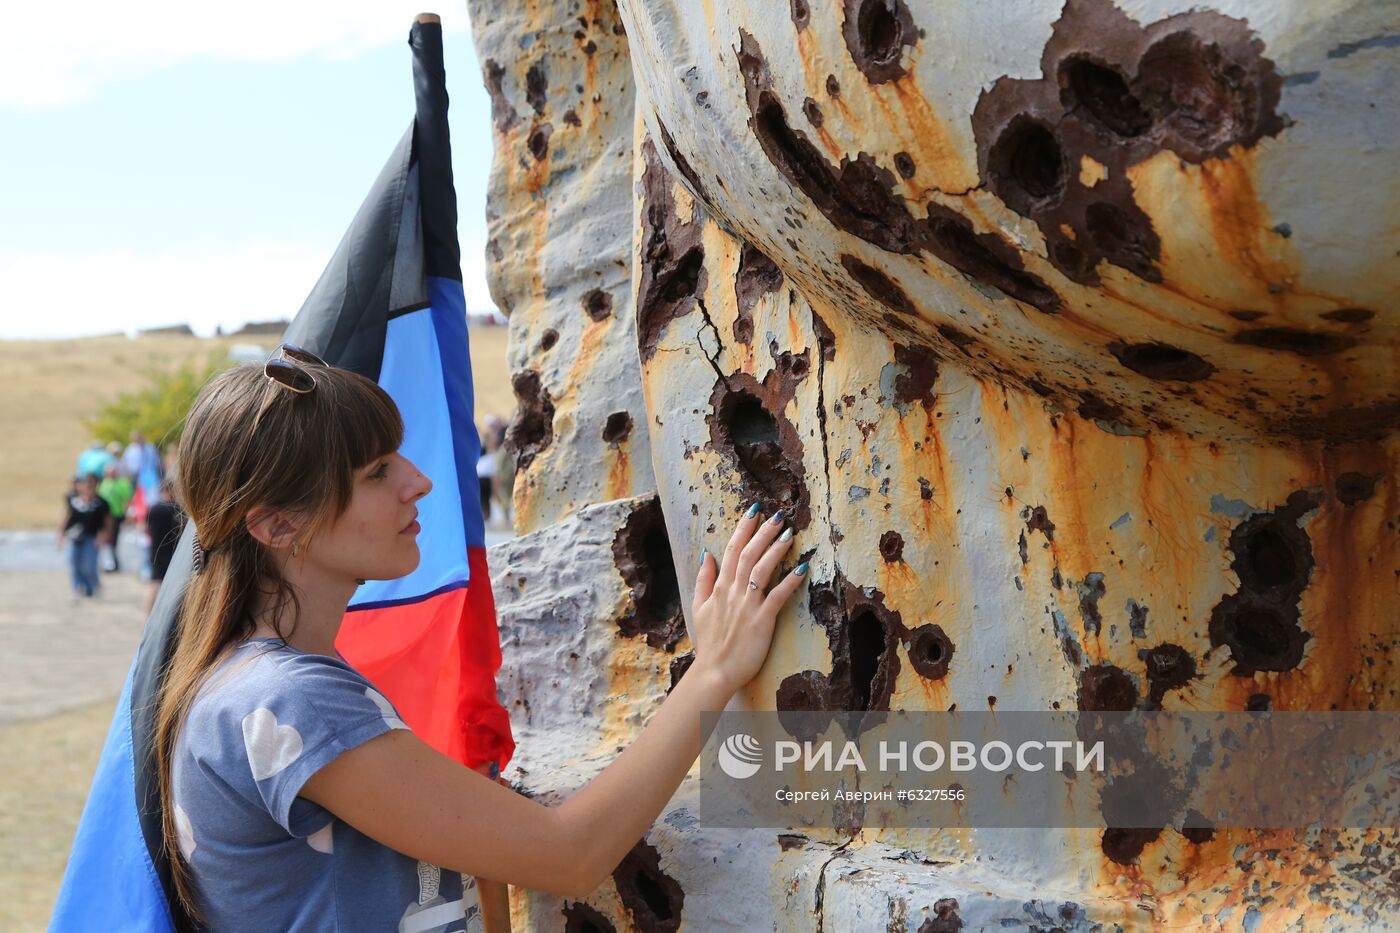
619	471
926	134
1237	218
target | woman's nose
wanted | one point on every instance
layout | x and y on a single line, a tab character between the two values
420	486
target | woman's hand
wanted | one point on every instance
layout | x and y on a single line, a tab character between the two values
734	611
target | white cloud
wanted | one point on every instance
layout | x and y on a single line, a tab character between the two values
57	54
46	295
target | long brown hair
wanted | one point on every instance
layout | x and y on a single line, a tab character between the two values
251	442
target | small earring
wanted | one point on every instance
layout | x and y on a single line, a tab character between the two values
295	549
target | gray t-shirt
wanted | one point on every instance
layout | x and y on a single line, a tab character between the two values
262	858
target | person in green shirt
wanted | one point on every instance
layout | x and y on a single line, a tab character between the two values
117	490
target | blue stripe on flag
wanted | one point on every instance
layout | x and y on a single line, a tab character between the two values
450	320
411	373
110	882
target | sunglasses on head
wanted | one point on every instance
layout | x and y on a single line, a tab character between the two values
285	369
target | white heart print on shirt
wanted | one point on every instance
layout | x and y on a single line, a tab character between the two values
323	839
184	833
386	709
271	746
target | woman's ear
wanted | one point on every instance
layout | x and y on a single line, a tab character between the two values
272	527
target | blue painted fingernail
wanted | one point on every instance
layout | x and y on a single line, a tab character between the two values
777	518
704	553
801	570
753	510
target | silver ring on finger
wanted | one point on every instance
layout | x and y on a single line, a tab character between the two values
753	585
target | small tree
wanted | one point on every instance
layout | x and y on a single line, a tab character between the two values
157	411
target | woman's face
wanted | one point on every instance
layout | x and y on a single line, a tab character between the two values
376	537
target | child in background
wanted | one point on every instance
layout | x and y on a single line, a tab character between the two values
85	524
116	490
165	522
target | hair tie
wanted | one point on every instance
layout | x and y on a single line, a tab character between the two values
198	554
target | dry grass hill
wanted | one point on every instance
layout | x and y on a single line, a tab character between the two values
50	386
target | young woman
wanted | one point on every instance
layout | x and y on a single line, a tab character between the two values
293	796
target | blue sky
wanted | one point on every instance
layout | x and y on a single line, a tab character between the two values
167	166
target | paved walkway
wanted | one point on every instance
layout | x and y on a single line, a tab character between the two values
61	654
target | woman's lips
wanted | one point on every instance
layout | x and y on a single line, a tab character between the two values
412	528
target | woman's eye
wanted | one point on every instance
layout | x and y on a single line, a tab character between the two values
381	472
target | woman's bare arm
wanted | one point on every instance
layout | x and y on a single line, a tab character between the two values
398	790
493	896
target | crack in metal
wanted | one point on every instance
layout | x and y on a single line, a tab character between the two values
924	193
826	455
818	906
826	470
821	422
719	344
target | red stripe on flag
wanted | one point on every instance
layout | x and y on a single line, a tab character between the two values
436	661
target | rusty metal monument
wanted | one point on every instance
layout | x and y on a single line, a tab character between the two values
1066	331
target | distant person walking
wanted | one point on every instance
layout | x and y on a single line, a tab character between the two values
165	522
116	490
93	461
85	523
143	465
142	462
486	474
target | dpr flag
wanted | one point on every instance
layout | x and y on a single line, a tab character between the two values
389	306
